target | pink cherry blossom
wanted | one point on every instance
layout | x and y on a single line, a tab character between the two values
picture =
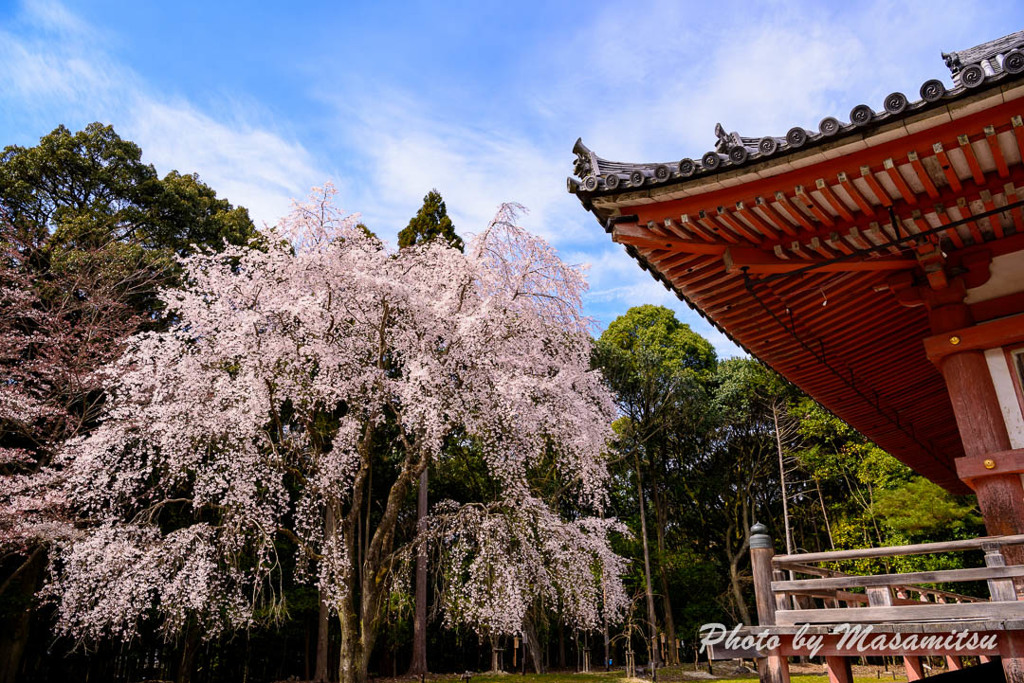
257	415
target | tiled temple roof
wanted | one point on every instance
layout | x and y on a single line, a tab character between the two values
808	250
974	69
988	59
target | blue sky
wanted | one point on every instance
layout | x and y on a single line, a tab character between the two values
482	100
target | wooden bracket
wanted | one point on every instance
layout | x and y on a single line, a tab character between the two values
989	335
971	468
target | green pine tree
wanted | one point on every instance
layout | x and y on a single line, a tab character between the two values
430	222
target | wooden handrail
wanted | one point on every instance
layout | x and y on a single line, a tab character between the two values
782	561
902	580
994	611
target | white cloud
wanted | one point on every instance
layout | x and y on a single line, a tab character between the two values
639	85
250	165
58	69
408	150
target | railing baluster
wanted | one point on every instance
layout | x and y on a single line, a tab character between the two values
1001	590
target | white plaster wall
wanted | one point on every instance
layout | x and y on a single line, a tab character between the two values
1007	278
1003	381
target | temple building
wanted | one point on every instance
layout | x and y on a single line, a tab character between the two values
878	264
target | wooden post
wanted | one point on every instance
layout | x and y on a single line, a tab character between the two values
775	667
913	668
1011	644
1000	590
839	669
761	554
882	597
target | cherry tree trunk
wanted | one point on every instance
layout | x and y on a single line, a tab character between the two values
352	667
495	655
188	654
323	623
533	647
561	645
418	665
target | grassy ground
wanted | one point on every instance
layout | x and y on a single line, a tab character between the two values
799	674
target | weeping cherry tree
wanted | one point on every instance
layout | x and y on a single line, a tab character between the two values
256	419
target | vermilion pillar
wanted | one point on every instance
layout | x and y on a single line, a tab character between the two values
983	431
989	465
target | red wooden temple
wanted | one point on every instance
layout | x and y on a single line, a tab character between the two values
878	265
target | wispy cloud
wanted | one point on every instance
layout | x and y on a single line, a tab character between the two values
486	119
407	149
54	65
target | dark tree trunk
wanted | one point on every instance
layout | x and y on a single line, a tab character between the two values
360	609
652	645
188	654
666	601
495	655
561	645
16	623
350	668
607	647
418	665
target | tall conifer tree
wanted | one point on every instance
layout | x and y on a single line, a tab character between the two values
430	222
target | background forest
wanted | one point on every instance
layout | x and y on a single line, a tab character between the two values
701	448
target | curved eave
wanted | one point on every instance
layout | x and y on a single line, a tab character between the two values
861	353
637	180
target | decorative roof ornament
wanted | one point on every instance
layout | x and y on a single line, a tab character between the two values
586	161
972	66
726	141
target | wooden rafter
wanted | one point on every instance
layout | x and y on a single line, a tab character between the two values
629	233
769	211
738	226
947	167
695	227
786	206
757	261
832	199
909	196
802	195
965	213
990	205
997	152
714	229
880	194
855	194
1018	133
751	217
922	175
1013	195
972	159
951	233
678	229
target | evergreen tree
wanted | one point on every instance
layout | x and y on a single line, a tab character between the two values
430	222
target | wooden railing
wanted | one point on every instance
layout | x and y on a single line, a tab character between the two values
898	597
900	601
